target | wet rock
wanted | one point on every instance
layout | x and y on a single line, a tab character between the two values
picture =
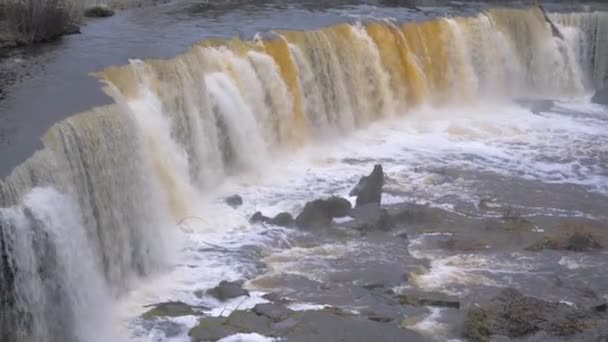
273	297
211	329
513	222
319	213
314	326
249	321
601	96
258	217
275	312
282	220
169	309
369	188
234	201
370	217
429	299
228	290
514	315
576	242
601	307
462	245
98	11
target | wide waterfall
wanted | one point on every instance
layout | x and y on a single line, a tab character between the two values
94	210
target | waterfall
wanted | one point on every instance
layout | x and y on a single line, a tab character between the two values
95	207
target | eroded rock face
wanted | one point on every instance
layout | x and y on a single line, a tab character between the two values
369	188
514	315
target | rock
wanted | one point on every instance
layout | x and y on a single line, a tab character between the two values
601	96
369	188
370	217
601	307
319	213
429	299
313	326
98	11
536	106
576	242
169	309
258	217
211	329
275	312
282	220
514	315
234	201
249	321
273	297
228	290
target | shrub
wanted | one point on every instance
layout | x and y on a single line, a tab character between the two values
29	21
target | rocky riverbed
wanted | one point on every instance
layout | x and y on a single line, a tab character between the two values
407	272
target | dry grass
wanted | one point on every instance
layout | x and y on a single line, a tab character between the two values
29	21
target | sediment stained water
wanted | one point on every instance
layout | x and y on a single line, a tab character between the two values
293	115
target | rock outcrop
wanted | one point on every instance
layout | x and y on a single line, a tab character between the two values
227	290
369	188
601	96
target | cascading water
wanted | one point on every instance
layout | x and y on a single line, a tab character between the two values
96	206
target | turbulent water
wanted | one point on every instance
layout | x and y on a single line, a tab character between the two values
104	207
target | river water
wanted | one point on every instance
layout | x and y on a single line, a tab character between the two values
122	205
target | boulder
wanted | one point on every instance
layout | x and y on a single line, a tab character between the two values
227	290
282	220
258	217
514	315
249	321
369	188
234	201
319	213
98	11
601	96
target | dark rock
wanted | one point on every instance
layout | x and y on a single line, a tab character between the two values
211	329
234	201
576	242
381	319
514	315
275	312
601	307
282	220
169	309
258	217
228	290
369	188
536	106
249	321
601	96
429	299
319	213
98	11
